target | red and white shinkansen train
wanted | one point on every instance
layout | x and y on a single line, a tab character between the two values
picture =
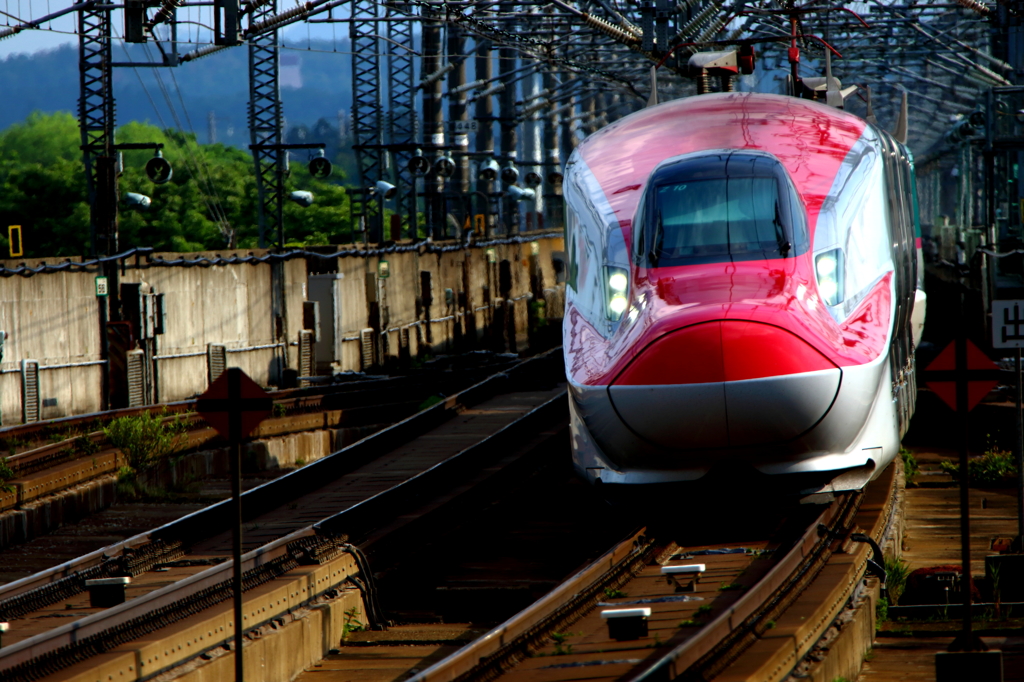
744	294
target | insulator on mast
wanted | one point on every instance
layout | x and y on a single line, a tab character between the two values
610	29
974	5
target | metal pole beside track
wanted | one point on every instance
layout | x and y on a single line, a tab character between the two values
236	551
966	641
234	405
965	478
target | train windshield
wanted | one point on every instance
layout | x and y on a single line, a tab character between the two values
721	207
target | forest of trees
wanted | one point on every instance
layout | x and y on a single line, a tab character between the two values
42	188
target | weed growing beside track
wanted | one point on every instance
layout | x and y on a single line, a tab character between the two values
896	573
6	474
910	467
143	439
994	468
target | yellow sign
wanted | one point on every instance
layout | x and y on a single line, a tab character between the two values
14	241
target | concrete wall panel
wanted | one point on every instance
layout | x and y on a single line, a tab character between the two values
54	318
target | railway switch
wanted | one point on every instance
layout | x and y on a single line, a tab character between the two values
106	592
626	624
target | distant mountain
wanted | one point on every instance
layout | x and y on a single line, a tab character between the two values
315	84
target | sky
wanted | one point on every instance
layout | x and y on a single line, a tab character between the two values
61	30
34	41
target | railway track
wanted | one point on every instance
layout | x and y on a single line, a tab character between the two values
63	453
471	527
768	589
303	519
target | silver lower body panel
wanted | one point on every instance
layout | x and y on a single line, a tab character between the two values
835	432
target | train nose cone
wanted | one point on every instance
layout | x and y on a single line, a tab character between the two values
726	383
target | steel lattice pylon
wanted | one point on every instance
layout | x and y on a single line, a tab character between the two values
265	121
96	122
402	101
367	112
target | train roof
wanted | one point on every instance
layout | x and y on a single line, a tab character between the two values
810	139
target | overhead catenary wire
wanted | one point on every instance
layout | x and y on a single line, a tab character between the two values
208	191
598	40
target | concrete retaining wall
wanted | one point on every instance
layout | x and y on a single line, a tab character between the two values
839	655
229	305
848	641
463	308
266	454
42	516
298	449
290	624
56	318
53	319
68	506
281	654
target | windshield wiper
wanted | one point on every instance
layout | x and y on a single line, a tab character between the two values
659	235
780	237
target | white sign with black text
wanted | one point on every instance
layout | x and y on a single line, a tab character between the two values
1008	324
464	126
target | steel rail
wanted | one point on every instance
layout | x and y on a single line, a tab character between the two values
90	634
816	601
361	451
490	448
484	658
65	571
21	430
306	400
51	454
79	632
306	414
739	618
516	632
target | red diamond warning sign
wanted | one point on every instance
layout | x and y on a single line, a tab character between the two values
234	404
980	374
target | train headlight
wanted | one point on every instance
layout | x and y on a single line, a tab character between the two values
617	280
829	268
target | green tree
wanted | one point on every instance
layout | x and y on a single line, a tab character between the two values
210	199
42	139
327	219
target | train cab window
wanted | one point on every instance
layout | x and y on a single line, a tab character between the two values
720	207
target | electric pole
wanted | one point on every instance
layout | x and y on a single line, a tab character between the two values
507	64
485	132
433	117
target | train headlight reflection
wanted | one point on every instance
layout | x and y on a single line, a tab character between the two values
829	268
